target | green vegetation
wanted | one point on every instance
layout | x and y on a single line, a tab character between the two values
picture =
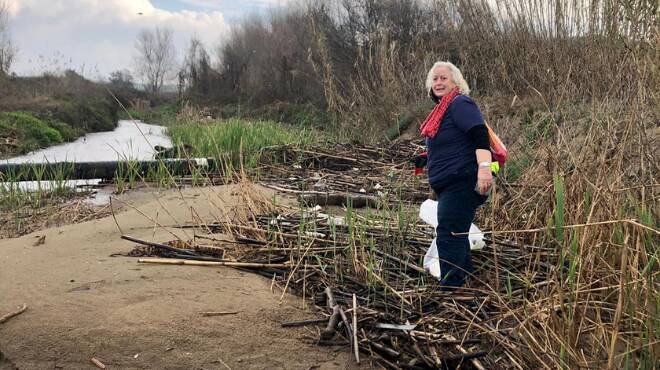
89	115
537	126
28	132
559	219
163	114
13	197
25	207
53	108
126	175
235	140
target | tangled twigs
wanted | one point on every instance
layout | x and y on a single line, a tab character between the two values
538	298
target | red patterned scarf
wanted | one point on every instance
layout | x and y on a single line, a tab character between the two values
431	124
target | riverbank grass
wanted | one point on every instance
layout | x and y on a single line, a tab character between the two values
237	142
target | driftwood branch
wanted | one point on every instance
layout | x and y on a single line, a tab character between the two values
337	312
347	324
172	261
14	313
329	331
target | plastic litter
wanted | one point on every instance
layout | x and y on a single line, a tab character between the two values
428	212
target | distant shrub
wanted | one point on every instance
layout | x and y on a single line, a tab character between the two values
68	133
131	113
31	132
90	117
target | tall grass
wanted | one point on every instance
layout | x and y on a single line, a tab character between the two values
237	142
595	162
21	203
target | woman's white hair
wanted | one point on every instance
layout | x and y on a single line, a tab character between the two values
456	77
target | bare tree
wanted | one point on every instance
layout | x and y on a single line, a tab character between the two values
156	57
7	49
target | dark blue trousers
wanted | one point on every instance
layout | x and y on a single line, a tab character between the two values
457	205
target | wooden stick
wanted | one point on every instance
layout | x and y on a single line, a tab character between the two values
339	199
426	359
274	233
218	313
477	364
318	154
384	349
347	325
329	331
356	349
291	324
619	308
337	312
407	264
14	313
173	261
98	363
158	245
465	356
634	222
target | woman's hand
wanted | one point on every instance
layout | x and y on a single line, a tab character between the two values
484	180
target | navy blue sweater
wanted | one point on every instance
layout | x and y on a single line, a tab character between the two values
452	150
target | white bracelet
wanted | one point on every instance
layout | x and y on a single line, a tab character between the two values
484	164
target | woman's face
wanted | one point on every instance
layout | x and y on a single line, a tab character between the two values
442	82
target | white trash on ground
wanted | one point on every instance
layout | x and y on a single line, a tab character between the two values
428	212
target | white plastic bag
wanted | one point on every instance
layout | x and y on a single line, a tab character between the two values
431	262
428	212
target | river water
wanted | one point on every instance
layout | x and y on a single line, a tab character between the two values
130	140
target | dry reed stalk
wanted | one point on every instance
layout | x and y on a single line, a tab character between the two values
561	302
171	261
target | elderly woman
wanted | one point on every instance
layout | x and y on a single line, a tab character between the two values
459	167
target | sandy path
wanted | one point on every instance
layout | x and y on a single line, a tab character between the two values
83	303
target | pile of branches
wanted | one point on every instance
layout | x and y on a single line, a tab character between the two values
368	268
553	297
361	174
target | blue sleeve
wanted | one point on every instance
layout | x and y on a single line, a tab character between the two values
465	113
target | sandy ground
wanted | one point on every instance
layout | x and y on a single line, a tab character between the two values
82	303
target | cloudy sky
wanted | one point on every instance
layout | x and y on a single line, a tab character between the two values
96	37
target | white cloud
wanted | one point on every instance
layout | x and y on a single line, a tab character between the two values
215	4
212	4
97	37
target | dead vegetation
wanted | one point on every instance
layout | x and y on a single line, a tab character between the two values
27	218
570	276
568	279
